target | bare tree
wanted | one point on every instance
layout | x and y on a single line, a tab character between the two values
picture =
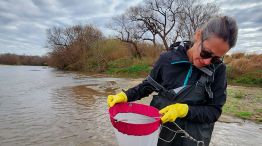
146	28
128	31
194	15
160	17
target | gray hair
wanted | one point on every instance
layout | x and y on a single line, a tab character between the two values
223	27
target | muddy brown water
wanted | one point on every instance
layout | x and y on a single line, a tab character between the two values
44	107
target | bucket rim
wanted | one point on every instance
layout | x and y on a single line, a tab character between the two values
131	128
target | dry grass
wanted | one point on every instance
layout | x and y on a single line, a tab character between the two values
111	49
244	63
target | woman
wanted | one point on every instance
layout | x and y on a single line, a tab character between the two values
191	83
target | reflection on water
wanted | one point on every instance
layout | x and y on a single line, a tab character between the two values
42	106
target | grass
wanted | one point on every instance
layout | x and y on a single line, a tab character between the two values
244	102
244	114
130	71
126	67
239	95
248	79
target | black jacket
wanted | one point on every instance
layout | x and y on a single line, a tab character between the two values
171	71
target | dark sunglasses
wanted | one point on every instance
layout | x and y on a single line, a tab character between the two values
206	54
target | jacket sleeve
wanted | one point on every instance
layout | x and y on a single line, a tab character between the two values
210	112
144	89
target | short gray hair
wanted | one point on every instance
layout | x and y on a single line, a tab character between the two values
223	27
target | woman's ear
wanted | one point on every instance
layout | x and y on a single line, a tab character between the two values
198	35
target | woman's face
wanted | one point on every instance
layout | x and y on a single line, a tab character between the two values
214	46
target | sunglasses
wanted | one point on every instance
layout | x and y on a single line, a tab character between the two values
206	54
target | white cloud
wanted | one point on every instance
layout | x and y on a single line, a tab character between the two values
23	24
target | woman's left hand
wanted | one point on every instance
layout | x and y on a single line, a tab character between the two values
174	111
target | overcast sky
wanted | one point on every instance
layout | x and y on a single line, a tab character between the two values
23	23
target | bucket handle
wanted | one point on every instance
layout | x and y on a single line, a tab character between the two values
186	135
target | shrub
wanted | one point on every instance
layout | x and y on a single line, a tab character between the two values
71	45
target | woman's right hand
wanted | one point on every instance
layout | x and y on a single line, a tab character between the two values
118	98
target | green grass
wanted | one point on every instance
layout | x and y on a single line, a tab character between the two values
128	67
244	114
119	63
248	79
130	71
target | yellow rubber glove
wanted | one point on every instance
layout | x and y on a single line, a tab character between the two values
113	99
171	112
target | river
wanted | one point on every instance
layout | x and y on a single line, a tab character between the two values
45	107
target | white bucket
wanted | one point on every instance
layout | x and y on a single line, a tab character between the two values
135	124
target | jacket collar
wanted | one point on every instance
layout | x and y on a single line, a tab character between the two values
179	55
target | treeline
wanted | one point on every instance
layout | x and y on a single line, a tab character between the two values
13	59
84	48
